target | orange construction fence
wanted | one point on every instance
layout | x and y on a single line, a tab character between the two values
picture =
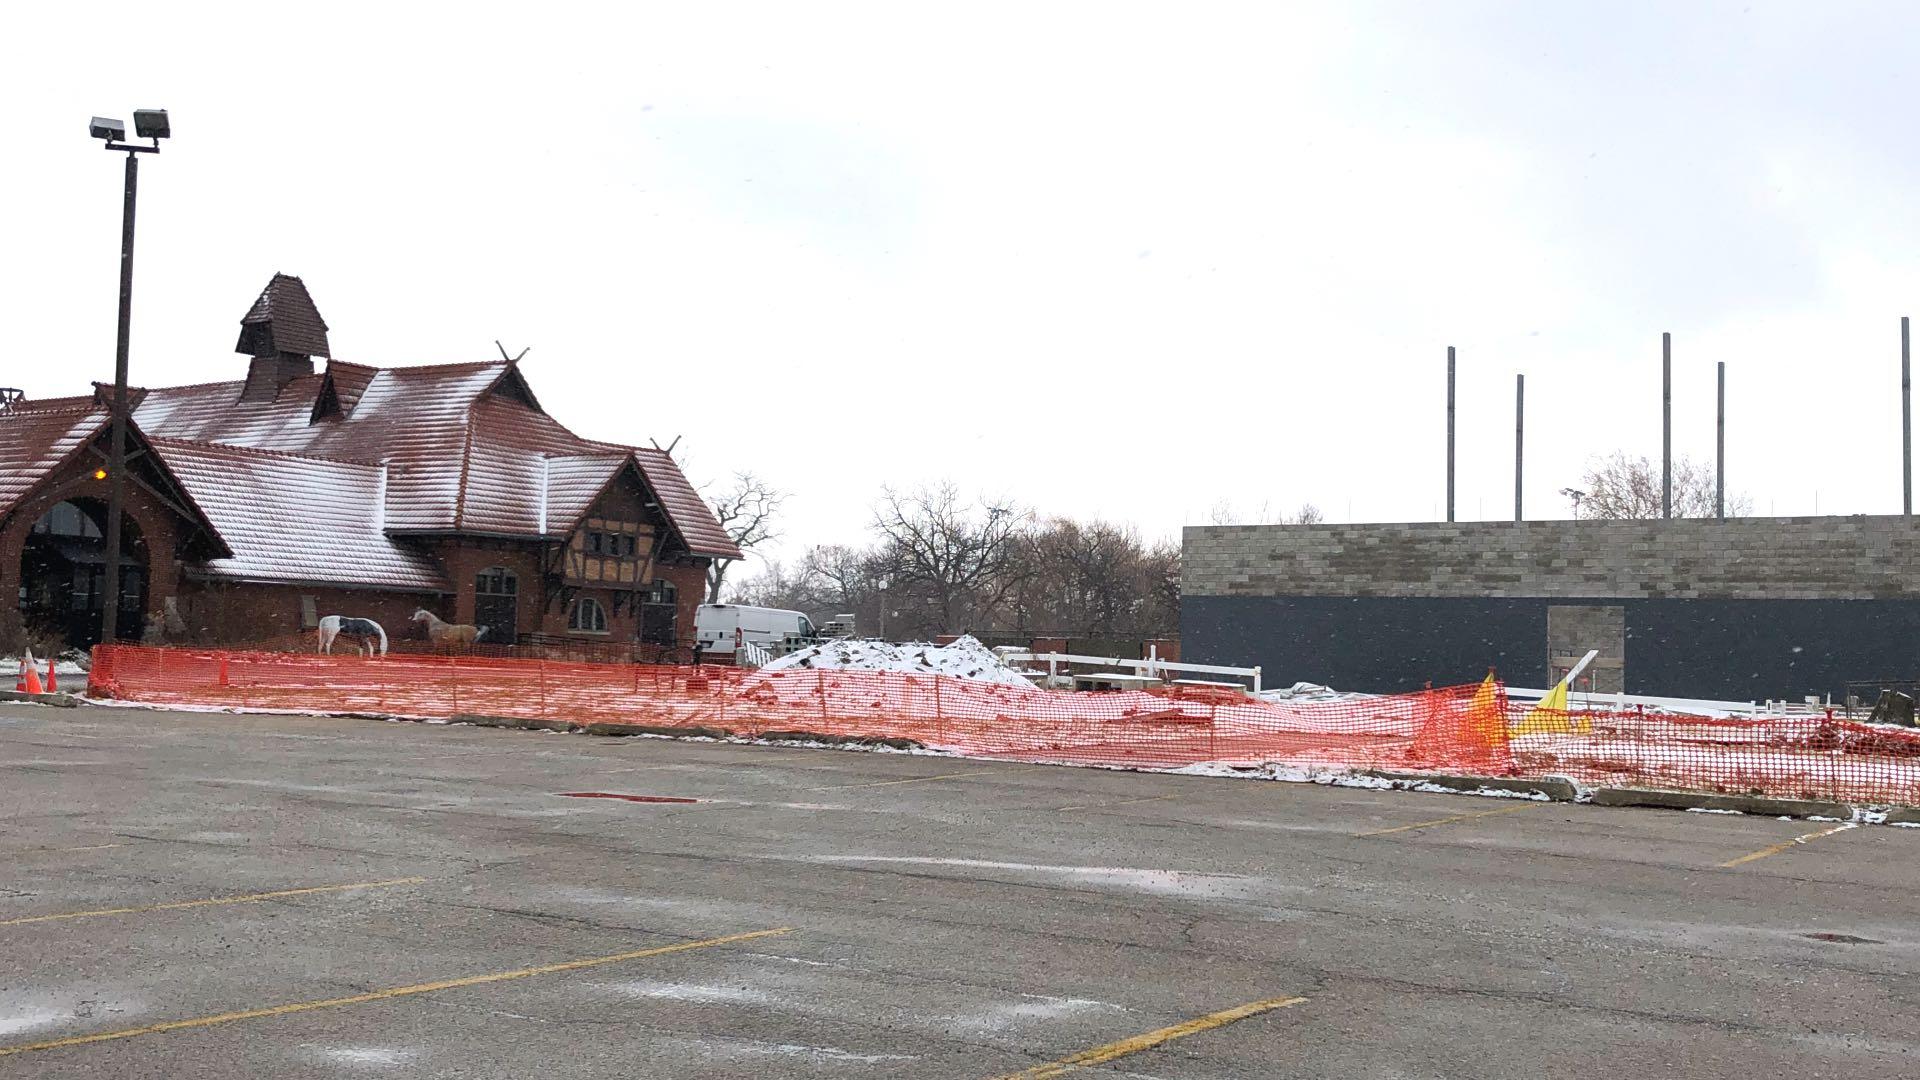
1467	729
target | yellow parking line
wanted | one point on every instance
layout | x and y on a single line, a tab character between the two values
1151	1039
1447	820
1122	802
215	901
969	775
1775	849
385	995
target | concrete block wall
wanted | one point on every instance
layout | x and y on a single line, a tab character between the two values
1855	558
1752	608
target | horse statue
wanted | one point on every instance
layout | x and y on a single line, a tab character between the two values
369	638
441	632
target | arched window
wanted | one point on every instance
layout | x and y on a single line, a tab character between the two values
587	616
63	573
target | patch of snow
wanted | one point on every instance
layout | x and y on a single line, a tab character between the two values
701	995
1711	810
1031	1007
964	659
1157	882
16	1021
825	1053
376	1056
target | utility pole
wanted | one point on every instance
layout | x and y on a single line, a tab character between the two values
1519	437
1449	433
117	455
1720	451
1906	420
152	125
1666	425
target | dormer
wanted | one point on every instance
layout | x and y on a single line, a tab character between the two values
283	332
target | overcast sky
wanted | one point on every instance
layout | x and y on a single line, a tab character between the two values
1125	261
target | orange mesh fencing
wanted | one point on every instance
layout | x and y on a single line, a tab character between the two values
1470	729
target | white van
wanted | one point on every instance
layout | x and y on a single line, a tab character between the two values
718	626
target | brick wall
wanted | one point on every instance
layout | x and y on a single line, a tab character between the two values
220	613
1745	559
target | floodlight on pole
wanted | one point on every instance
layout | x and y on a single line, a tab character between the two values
152	125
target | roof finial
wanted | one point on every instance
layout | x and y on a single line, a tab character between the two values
503	352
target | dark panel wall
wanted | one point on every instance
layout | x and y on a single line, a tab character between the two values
1726	649
1756	649
1369	643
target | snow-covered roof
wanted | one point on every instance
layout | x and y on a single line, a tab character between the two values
295	519
37	437
464	445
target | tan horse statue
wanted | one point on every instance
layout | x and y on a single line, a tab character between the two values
441	632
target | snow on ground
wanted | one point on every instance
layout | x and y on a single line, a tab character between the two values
11	664
1306	691
965	659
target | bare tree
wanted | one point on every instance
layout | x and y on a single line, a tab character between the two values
1620	487
746	510
1225	512
1095	579
960	556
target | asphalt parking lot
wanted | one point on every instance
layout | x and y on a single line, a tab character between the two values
196	896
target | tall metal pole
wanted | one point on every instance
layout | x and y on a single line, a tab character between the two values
1906	420
1666	425
1519	437
1449	433
1720	451
117	456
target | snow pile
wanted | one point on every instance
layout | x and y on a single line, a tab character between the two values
1306	691
965	659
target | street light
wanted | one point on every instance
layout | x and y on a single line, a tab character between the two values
1576	496
151	125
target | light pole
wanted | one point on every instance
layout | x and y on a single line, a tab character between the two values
151	125
882	586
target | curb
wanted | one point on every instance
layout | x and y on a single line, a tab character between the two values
1744	804
656	729
1552	788
1903	815
520	723
839	740
60	700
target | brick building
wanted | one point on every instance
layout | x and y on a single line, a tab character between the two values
314	486
1744	609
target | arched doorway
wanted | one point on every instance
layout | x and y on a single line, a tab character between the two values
496	604
63	574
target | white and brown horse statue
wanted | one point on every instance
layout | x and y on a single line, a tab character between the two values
441	632
368	638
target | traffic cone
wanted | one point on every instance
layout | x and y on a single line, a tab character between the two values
53	682
30	675
20	683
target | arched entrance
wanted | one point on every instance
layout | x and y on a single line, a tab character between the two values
63	574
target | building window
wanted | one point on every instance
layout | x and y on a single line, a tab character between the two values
496	604
587	617
659	611
496	581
